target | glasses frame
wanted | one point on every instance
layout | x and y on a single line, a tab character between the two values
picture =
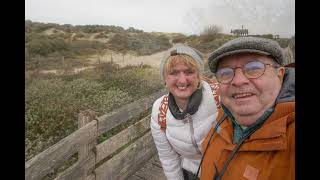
242	70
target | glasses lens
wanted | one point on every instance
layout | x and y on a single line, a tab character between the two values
224	75
254	69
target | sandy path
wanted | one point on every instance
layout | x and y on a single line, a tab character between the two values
60	72
153	60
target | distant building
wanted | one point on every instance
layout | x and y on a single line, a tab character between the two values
240	32
276	36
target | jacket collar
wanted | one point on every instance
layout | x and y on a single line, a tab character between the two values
287	92
238	132
271	136
192	107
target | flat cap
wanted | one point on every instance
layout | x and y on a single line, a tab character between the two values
239	45
180	48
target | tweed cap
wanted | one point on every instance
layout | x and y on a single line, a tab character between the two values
256	45
182	49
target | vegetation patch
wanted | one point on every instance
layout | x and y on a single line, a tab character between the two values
53	102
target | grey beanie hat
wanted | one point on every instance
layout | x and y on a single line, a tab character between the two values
256	45
182	49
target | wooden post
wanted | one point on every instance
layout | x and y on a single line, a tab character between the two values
83	168
86	150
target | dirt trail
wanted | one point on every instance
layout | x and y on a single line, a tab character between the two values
153	60
61	71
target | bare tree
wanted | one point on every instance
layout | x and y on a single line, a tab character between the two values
210	32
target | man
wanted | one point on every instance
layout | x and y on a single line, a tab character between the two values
254	137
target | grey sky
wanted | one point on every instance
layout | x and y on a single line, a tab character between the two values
185	16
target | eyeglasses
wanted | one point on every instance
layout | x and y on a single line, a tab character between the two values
252	70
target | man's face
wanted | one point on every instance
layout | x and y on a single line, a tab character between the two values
250	97
182	81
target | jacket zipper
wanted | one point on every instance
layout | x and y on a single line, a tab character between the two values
193	140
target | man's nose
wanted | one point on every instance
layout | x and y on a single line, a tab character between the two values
239	78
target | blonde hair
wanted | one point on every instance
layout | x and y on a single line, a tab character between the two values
181	58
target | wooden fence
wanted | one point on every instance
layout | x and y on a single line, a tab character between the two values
99	161
133	146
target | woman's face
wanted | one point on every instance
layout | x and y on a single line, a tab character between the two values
182	81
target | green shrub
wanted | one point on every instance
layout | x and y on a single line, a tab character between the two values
101	35
85	47
53	102
79	35
52	107
179	39
38	44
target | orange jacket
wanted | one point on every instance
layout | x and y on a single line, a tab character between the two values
269	153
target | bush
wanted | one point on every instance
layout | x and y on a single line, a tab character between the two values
142	43
179	38
43	45
208	47
101	35
53	103
85	47
119	42
52	107
210	33
79	35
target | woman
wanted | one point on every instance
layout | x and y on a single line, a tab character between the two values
181	119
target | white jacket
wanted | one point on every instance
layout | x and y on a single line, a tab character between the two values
174	146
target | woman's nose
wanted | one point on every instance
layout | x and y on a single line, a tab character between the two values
182	78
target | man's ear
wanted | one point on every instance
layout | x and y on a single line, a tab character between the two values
281	71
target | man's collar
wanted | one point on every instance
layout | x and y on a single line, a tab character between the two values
238	132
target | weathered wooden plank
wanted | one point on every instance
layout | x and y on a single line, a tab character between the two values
91	177
79	169
134	177
86	154
109	146
86	157
140	159
125	113
127	161
151	170
53	157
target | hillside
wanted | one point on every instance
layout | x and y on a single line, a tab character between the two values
50	46
74	68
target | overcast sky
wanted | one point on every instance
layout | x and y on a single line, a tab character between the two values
184	16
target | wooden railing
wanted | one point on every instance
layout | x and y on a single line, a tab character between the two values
115	158
133	146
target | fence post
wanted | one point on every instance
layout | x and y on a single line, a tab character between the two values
83	168
86	150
